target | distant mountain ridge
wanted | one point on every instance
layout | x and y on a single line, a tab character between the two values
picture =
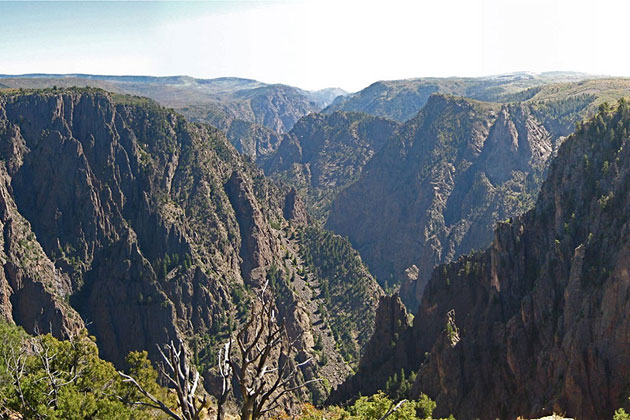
218	85
401	100
218	101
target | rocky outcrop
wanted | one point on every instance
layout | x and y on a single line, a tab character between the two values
554	281
253	117
33	292
294	208
396	100
105	187
253	140
255	235
278	107
125	311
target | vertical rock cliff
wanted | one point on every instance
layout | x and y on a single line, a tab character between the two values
438	187
538	322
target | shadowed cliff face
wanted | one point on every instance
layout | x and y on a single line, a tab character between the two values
256	251
438	187
32	291
110	191
323	154
537	323
253	140
119	215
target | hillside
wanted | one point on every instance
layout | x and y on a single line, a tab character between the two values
121	216
276	107
537	322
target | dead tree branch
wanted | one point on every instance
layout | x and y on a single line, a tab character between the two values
181	377
393	409
264	365
225	370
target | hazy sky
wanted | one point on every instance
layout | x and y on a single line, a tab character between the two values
318	43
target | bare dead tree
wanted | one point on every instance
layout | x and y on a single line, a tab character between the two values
181	377
393	409
264	365
55	378
15	366
225	370
260	358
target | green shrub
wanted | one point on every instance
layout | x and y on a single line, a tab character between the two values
42	377
621	415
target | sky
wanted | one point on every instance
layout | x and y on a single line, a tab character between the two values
315	44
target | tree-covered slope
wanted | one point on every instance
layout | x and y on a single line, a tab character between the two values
347	298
